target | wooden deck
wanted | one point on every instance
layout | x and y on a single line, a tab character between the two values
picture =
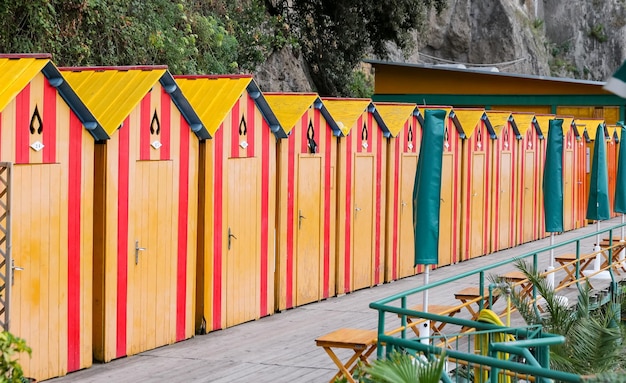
281	347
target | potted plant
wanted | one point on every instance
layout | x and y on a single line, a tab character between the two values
10	348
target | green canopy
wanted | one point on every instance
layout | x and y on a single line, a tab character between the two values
598	204
427	189
620	184
553	178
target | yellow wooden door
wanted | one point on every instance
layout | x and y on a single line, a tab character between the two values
39	292
363	220
477	206
447	226
242	264
568	190
152	258
406	262
309	255
505	213
528	198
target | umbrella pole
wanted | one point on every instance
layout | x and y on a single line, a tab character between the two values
426	276
550	274
424	329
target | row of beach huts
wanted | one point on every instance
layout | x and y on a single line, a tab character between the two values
138	209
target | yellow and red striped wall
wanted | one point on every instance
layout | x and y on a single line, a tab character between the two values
361	193
306	199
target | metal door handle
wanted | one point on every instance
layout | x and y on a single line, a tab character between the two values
17	268
356	210
137	250
230	235
300	218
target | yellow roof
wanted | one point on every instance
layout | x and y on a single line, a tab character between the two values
213	97
567	123
590	126
15	74
544	122
346	111
290	107
498	119
112	93
523	121
469	119
395	115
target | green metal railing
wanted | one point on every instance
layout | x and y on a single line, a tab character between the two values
531	345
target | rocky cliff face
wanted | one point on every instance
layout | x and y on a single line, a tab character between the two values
583	39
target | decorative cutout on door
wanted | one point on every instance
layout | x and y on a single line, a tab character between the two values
243	131
569	139
409	138
479	138
364	135
446	138
36	126
155	129
310	135
529	137
505	138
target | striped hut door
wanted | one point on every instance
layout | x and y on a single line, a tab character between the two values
309	262
40	289
152	258
363	218
408	167
242	262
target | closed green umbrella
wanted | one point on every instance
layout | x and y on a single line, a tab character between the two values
620	185
427	193
553	184
598	203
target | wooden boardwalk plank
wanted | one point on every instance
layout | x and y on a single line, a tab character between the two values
281	348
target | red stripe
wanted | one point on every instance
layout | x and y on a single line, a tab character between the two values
22	121
291	147
49	123
265	230
488	148
235	119
514	145
166	126
535	189
122	237
145	119
379	182
396	197
251	116
468	197
218	160
454	142
183	219
522	178
370	128
496	203
74	243
348	211
304	131
327	182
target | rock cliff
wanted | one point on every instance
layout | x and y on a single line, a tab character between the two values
583	39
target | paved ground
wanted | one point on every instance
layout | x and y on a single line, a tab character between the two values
281	347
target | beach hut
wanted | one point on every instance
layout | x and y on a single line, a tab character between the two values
529	182
543	122
611	158
307	159
587	128
47	138
503	219
476	175
403	122
570	154
450	207
236	256
145	208
361	174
